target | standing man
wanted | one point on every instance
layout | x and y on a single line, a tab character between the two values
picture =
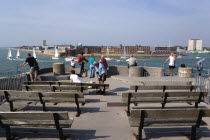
172	59
81	62
31	61
132	61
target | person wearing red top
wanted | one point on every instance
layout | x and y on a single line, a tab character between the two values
103	61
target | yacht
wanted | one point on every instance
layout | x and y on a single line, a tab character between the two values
107	53
56	54
9	56
34	53
18	54
124	54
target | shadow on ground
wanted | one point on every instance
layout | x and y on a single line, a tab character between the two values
157	133
30	133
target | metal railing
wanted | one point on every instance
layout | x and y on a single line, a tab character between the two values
12	83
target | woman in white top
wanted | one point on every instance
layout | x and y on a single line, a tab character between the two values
74	78
172	59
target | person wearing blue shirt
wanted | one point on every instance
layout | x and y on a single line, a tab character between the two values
102	73
92	68
31	61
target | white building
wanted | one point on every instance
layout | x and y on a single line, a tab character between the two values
194	45
44	43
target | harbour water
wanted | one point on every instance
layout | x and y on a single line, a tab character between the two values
12	67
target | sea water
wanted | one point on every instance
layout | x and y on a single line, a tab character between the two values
12	67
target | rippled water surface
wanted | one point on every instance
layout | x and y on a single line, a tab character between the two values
11	67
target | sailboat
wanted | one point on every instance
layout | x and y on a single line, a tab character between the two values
107	53
18	54
124	54
56	54
179	56
34	53
9	55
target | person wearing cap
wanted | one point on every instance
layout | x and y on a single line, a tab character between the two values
132	61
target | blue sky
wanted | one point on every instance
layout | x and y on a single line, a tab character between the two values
104	22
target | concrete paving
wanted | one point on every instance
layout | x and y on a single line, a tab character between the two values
99	122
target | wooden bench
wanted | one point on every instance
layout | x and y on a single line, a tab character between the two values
56	120
51	83
163	98
15	96
164	118
162	87
53	88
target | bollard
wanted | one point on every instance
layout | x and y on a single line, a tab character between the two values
59	68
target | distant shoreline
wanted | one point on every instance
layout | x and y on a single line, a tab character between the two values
110	55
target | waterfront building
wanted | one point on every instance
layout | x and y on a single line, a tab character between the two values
88	49
165	50
44	43
194	45
129	49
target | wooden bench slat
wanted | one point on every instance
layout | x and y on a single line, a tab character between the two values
162	94
80	100
135	123
33	115
46	87
38	123
64	83
160	87
45	95
161	100
166	113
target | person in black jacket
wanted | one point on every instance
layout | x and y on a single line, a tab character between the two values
34	68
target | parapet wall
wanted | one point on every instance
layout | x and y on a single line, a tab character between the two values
147	71
114	70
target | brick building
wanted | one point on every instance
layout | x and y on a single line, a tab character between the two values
129	50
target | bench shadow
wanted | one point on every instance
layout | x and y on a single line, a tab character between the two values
73	134
119	89
70	109
107	93
93	101
155	133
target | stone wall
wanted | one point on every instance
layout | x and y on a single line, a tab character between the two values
115	70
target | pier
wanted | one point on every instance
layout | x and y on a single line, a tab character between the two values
104	116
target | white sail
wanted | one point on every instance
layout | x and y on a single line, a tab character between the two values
18	54
107	53
56	54
9	54
34	53
124	53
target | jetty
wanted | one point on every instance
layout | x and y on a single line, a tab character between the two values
135	103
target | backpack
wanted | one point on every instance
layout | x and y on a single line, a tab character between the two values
79	58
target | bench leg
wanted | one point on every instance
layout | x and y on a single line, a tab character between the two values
61	134
44	106
8	132
129	102
140	133
193	133
77	103
104	91
196	104
163	105
11	106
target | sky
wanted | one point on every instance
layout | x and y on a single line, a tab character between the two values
104	22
